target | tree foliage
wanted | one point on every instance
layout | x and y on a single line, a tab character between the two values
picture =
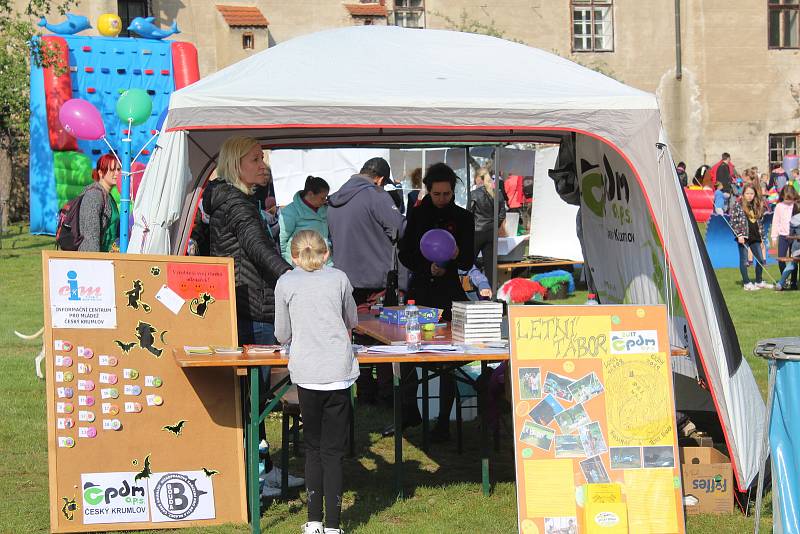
17	48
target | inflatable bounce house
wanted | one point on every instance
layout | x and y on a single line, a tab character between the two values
97	69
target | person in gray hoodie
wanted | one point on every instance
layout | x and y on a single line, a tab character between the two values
364	225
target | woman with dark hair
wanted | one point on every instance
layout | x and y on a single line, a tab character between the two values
307	211
700	176
99	215
416	187
438	285
680	169
747	221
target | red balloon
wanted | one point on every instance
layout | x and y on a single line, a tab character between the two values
81	119
437	245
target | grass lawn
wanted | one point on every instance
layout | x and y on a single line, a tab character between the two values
444	486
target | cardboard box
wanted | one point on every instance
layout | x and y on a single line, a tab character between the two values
708	477
397	315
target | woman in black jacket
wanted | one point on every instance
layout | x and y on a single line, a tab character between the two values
482	207
237	231
438	285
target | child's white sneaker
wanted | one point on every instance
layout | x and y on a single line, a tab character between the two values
333	531
750	287
313	527
763	285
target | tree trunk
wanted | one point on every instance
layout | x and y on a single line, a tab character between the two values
6	170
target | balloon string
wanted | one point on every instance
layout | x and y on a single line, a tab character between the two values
145	146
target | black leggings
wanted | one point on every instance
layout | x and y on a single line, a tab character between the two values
326	433
484	245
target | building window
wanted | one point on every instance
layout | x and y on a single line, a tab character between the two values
248	41
781	145
367	22
784	23
592	26
129	10
409	13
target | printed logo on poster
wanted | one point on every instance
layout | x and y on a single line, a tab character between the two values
634	342
82	293
183	496
114	498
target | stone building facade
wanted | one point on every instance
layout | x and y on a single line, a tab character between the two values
727	80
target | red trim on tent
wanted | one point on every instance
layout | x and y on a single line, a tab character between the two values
519	128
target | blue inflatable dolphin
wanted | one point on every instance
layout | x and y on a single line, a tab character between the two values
144	27
73	24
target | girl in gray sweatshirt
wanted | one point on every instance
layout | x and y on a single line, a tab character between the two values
315	313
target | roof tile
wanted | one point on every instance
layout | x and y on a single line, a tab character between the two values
366	10
236	16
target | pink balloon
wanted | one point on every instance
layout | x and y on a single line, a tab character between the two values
437	245
81	119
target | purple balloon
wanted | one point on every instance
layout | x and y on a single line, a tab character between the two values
437	245
81	119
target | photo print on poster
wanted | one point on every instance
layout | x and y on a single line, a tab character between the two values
530	383
537	435
586	388
569	446
545	410
660	456
625	457
558	386
594	471
573	418
591	437
560	525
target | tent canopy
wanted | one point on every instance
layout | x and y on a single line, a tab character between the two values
388	86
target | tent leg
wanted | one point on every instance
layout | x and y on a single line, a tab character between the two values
765	446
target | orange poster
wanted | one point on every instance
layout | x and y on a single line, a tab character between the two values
594	420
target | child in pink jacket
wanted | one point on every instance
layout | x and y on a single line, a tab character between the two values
780	228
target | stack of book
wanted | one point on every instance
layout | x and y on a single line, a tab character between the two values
476	321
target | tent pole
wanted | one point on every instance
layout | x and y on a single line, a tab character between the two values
497	194
469	177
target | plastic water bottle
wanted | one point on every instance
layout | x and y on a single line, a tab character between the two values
591	300
413	330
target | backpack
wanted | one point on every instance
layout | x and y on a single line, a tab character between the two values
68	233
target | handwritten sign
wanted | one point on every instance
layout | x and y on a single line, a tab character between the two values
594	415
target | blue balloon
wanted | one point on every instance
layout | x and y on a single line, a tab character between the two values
161	119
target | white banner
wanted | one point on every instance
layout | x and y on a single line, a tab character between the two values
183	496
114	498
622	247
82	294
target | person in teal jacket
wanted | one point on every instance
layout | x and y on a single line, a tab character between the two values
307	211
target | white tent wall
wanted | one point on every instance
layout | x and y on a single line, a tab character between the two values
626	230
335	165
295	96
553	232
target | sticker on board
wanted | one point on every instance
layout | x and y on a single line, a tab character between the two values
181	496
134	295
199	306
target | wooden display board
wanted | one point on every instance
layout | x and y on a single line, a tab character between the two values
134	441
594	420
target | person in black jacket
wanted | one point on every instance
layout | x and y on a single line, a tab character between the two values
236	231
482	207
438	285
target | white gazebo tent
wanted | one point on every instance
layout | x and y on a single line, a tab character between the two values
388	86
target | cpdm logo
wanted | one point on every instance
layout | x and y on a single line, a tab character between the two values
633	342
177	497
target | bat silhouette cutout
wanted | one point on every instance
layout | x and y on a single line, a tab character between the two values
144	332
70	507
125	347
176	429
145	472
135	297
209	472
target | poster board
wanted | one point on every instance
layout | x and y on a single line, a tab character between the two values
134	441
593	403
